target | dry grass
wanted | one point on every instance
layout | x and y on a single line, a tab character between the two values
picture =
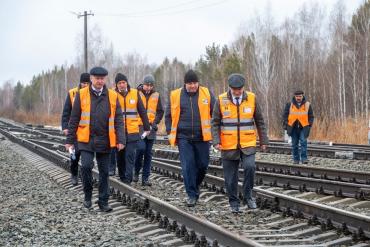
349	131
32	118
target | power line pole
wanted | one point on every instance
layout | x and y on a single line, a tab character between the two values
85	14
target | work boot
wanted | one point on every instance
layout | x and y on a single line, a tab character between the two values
235	209
251	203
146	183
191	202
87	203
105	208
74	180
135	178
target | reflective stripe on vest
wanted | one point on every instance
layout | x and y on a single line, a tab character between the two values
204	105
300	114
129	111
233	125
83	130
151	108
72	94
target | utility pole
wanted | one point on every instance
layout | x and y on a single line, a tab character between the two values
85	14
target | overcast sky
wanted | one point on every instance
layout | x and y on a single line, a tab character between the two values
38	34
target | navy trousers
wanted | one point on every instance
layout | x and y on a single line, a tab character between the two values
126	161
194	158
144	150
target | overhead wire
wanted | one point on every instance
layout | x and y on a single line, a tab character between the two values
153	13
150	11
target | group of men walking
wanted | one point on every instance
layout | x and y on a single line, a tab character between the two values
99	121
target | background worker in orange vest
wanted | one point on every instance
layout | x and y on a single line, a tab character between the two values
298	119
67	109
237	117
188	124
96	119
153	105
133	110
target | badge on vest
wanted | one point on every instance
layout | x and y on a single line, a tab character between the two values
247	110
205	101
132	101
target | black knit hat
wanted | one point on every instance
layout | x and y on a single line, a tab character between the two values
120	77
190	76
85	78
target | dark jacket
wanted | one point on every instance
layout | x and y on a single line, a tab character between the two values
297	124
99	117
142	113
258	121
158	116
189	126
66	114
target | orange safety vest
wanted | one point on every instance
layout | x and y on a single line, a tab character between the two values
237	125
204	105
83	130
131	117
151	107
300	114
72	94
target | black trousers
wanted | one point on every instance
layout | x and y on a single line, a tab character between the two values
74	163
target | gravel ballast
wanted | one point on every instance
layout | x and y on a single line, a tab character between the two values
35	211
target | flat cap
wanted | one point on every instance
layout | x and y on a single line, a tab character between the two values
99	71
236	80
298	92
149	79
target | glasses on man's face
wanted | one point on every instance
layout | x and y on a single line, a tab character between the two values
149	85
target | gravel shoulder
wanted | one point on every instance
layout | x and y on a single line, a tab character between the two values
35	211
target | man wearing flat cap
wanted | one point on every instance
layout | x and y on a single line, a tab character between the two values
237	117
188	125
298	119
67	109
96	123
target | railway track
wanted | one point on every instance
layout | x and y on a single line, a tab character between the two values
287	215
157	213
315	149
335	151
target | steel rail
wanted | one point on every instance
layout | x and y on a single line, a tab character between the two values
355	222
209	229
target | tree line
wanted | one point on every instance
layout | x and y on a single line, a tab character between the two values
325	55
